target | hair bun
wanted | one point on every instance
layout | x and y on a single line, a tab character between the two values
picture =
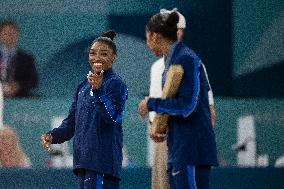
173	19
109	34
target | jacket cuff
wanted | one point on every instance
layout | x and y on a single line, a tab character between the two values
151	104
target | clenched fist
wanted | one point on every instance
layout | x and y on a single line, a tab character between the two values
96	79
142	108
46	140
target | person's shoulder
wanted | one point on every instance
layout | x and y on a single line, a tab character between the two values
116	83
82	83
116	80
186	50
186	54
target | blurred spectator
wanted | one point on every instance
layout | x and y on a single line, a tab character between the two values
1	105
17	70
11	154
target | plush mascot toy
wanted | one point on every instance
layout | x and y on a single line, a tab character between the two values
174	77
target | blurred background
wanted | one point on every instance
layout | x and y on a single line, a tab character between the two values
240	42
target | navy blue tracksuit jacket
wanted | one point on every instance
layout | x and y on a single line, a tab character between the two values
94	120
191	139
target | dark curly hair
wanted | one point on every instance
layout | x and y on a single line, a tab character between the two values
165	24
107	37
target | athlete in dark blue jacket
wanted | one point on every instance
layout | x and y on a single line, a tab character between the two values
95	120
191	139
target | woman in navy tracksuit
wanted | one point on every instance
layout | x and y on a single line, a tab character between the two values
95	120
191	139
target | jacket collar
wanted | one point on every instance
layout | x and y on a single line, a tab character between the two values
172	52
108	72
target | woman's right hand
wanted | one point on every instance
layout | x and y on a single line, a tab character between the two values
95	79
46	140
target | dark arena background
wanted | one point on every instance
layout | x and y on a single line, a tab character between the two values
240	42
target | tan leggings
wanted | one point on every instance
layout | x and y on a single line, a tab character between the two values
159	169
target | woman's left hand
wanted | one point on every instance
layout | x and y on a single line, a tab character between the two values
142	108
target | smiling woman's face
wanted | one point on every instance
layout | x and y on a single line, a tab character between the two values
101	53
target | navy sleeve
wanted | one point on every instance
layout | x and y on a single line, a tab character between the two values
185	102
114	98
67	128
